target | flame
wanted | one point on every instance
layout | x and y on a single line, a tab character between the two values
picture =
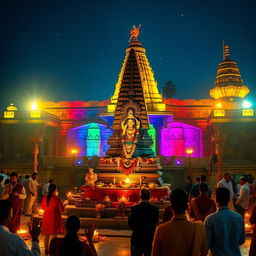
69	194
41	211
123	199
96	233
21	231
247	225
127	180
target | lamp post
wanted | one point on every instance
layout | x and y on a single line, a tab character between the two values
73	151
189	151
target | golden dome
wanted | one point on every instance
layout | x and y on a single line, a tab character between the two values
228	83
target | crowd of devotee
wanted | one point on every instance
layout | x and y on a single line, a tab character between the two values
199	220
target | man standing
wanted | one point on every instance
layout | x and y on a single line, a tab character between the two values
46	187
143	220
15	193
242	202
225	228
31	194
227	183
202	205
180	236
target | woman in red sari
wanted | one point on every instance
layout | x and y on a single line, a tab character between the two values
52	224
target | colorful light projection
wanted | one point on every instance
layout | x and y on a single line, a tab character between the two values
91	139
177	137
152	134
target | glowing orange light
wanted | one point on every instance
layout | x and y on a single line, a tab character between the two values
95	233
127	180
123	199
218	105
41	211
22	231
74	151
69	194
189	151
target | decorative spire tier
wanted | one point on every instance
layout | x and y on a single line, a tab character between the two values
229	83
130	137
153	98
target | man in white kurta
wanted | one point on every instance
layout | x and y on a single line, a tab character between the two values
226	183
31	194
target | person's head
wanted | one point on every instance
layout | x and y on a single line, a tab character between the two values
222	196
72	224
5	212
145	194
203	188
189	179
34	175
52	191
242	180
91	170
7	181
179	201
1	178
72	244
50	181
203	178
1	171
27	177
198	179
13	177
227	176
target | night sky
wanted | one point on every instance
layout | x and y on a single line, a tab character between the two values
73	50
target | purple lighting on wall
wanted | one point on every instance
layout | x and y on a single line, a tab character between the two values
177	137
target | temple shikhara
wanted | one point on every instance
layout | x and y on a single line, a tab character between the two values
136	134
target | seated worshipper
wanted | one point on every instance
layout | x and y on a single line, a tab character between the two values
70	244
52	223
180	237
224	228
143	220
201	206
11	244
90	178
252	251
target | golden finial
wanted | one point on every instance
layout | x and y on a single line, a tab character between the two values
226	52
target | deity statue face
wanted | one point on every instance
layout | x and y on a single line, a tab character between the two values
130	123
128	148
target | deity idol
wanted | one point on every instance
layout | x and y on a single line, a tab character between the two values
134	33
90	178
130	131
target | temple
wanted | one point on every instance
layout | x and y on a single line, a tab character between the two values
136	123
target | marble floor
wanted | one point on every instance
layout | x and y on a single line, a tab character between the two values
118	242
120	246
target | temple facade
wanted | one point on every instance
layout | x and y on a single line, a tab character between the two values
72	133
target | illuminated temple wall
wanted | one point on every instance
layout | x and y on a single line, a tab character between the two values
90	139
177	137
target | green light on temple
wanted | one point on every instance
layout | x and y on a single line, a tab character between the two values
152	134
93	140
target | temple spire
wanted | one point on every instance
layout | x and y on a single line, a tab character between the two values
228	83
153	98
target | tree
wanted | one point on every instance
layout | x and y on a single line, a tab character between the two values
169	89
